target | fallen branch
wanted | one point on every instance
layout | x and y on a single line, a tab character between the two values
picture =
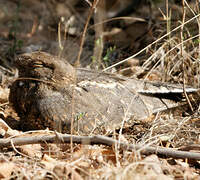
89	140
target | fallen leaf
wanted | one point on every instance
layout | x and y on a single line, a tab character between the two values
6	168
32	150
66	172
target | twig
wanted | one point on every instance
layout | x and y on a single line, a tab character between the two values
22	154
65	138
77	63
183	63
59	34
72	114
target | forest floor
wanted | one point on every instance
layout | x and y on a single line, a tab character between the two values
157	43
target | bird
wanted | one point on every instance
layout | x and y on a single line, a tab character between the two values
51	93
40	95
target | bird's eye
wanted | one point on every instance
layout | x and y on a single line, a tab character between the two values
38	64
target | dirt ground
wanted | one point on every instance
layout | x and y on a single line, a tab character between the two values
157	41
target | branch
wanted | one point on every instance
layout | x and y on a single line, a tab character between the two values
89	140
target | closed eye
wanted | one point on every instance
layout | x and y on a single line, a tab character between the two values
39	64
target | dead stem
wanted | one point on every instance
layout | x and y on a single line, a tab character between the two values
92	9
183	65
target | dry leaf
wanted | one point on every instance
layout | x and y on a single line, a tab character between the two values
154	163
66	172
48	162
6	168
32	150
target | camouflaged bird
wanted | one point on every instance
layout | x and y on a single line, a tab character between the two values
50	93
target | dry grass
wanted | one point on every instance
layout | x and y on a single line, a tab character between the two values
174	56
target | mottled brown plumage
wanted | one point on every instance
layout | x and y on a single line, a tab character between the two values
42	96
44	93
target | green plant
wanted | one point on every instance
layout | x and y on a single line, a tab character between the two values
107	57
79	116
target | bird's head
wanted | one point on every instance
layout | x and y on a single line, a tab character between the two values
44	66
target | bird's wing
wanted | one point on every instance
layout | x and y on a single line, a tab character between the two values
55	108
